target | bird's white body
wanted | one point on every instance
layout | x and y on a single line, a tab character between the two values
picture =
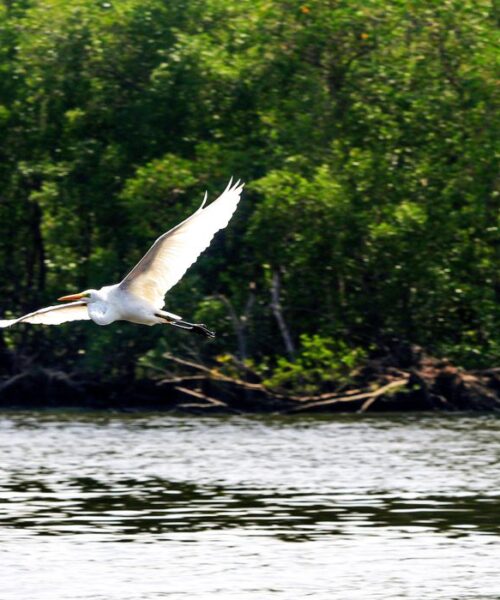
112	303
139	297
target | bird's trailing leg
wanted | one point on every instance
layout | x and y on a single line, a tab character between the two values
198	328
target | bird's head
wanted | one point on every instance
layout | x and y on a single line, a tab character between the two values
87	296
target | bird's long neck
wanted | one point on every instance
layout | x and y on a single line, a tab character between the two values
101	312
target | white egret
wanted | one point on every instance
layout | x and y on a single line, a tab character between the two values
139	298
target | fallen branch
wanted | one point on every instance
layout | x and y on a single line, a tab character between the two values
11	381
306	402
216	375
191	405
381	391
187	363
326	396
370	397
177	380
200	396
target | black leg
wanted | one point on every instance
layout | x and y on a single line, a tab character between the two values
198	328
203	330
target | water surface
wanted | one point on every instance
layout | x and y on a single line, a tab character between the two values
118	507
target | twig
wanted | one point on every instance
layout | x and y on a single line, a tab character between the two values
244	367
187	363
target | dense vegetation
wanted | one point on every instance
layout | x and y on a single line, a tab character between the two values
365	131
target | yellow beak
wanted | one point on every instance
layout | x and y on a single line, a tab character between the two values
71	297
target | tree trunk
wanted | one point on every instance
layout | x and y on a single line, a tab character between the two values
278	314
240	323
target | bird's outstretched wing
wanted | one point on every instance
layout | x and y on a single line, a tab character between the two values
52	315
175	251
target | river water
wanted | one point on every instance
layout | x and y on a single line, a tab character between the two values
129	507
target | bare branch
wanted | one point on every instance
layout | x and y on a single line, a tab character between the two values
370	397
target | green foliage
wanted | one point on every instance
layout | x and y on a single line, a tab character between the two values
320	361
367	133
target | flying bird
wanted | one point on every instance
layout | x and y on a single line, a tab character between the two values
139	297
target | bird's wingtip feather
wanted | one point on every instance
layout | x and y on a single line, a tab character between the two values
234	187
205	197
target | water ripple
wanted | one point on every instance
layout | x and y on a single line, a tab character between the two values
390	490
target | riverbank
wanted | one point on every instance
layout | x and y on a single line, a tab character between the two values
408	381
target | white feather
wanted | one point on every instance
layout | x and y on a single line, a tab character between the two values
53	315
175	251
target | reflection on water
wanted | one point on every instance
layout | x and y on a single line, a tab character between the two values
402	506
85	504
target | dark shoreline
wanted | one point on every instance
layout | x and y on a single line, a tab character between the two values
381	385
